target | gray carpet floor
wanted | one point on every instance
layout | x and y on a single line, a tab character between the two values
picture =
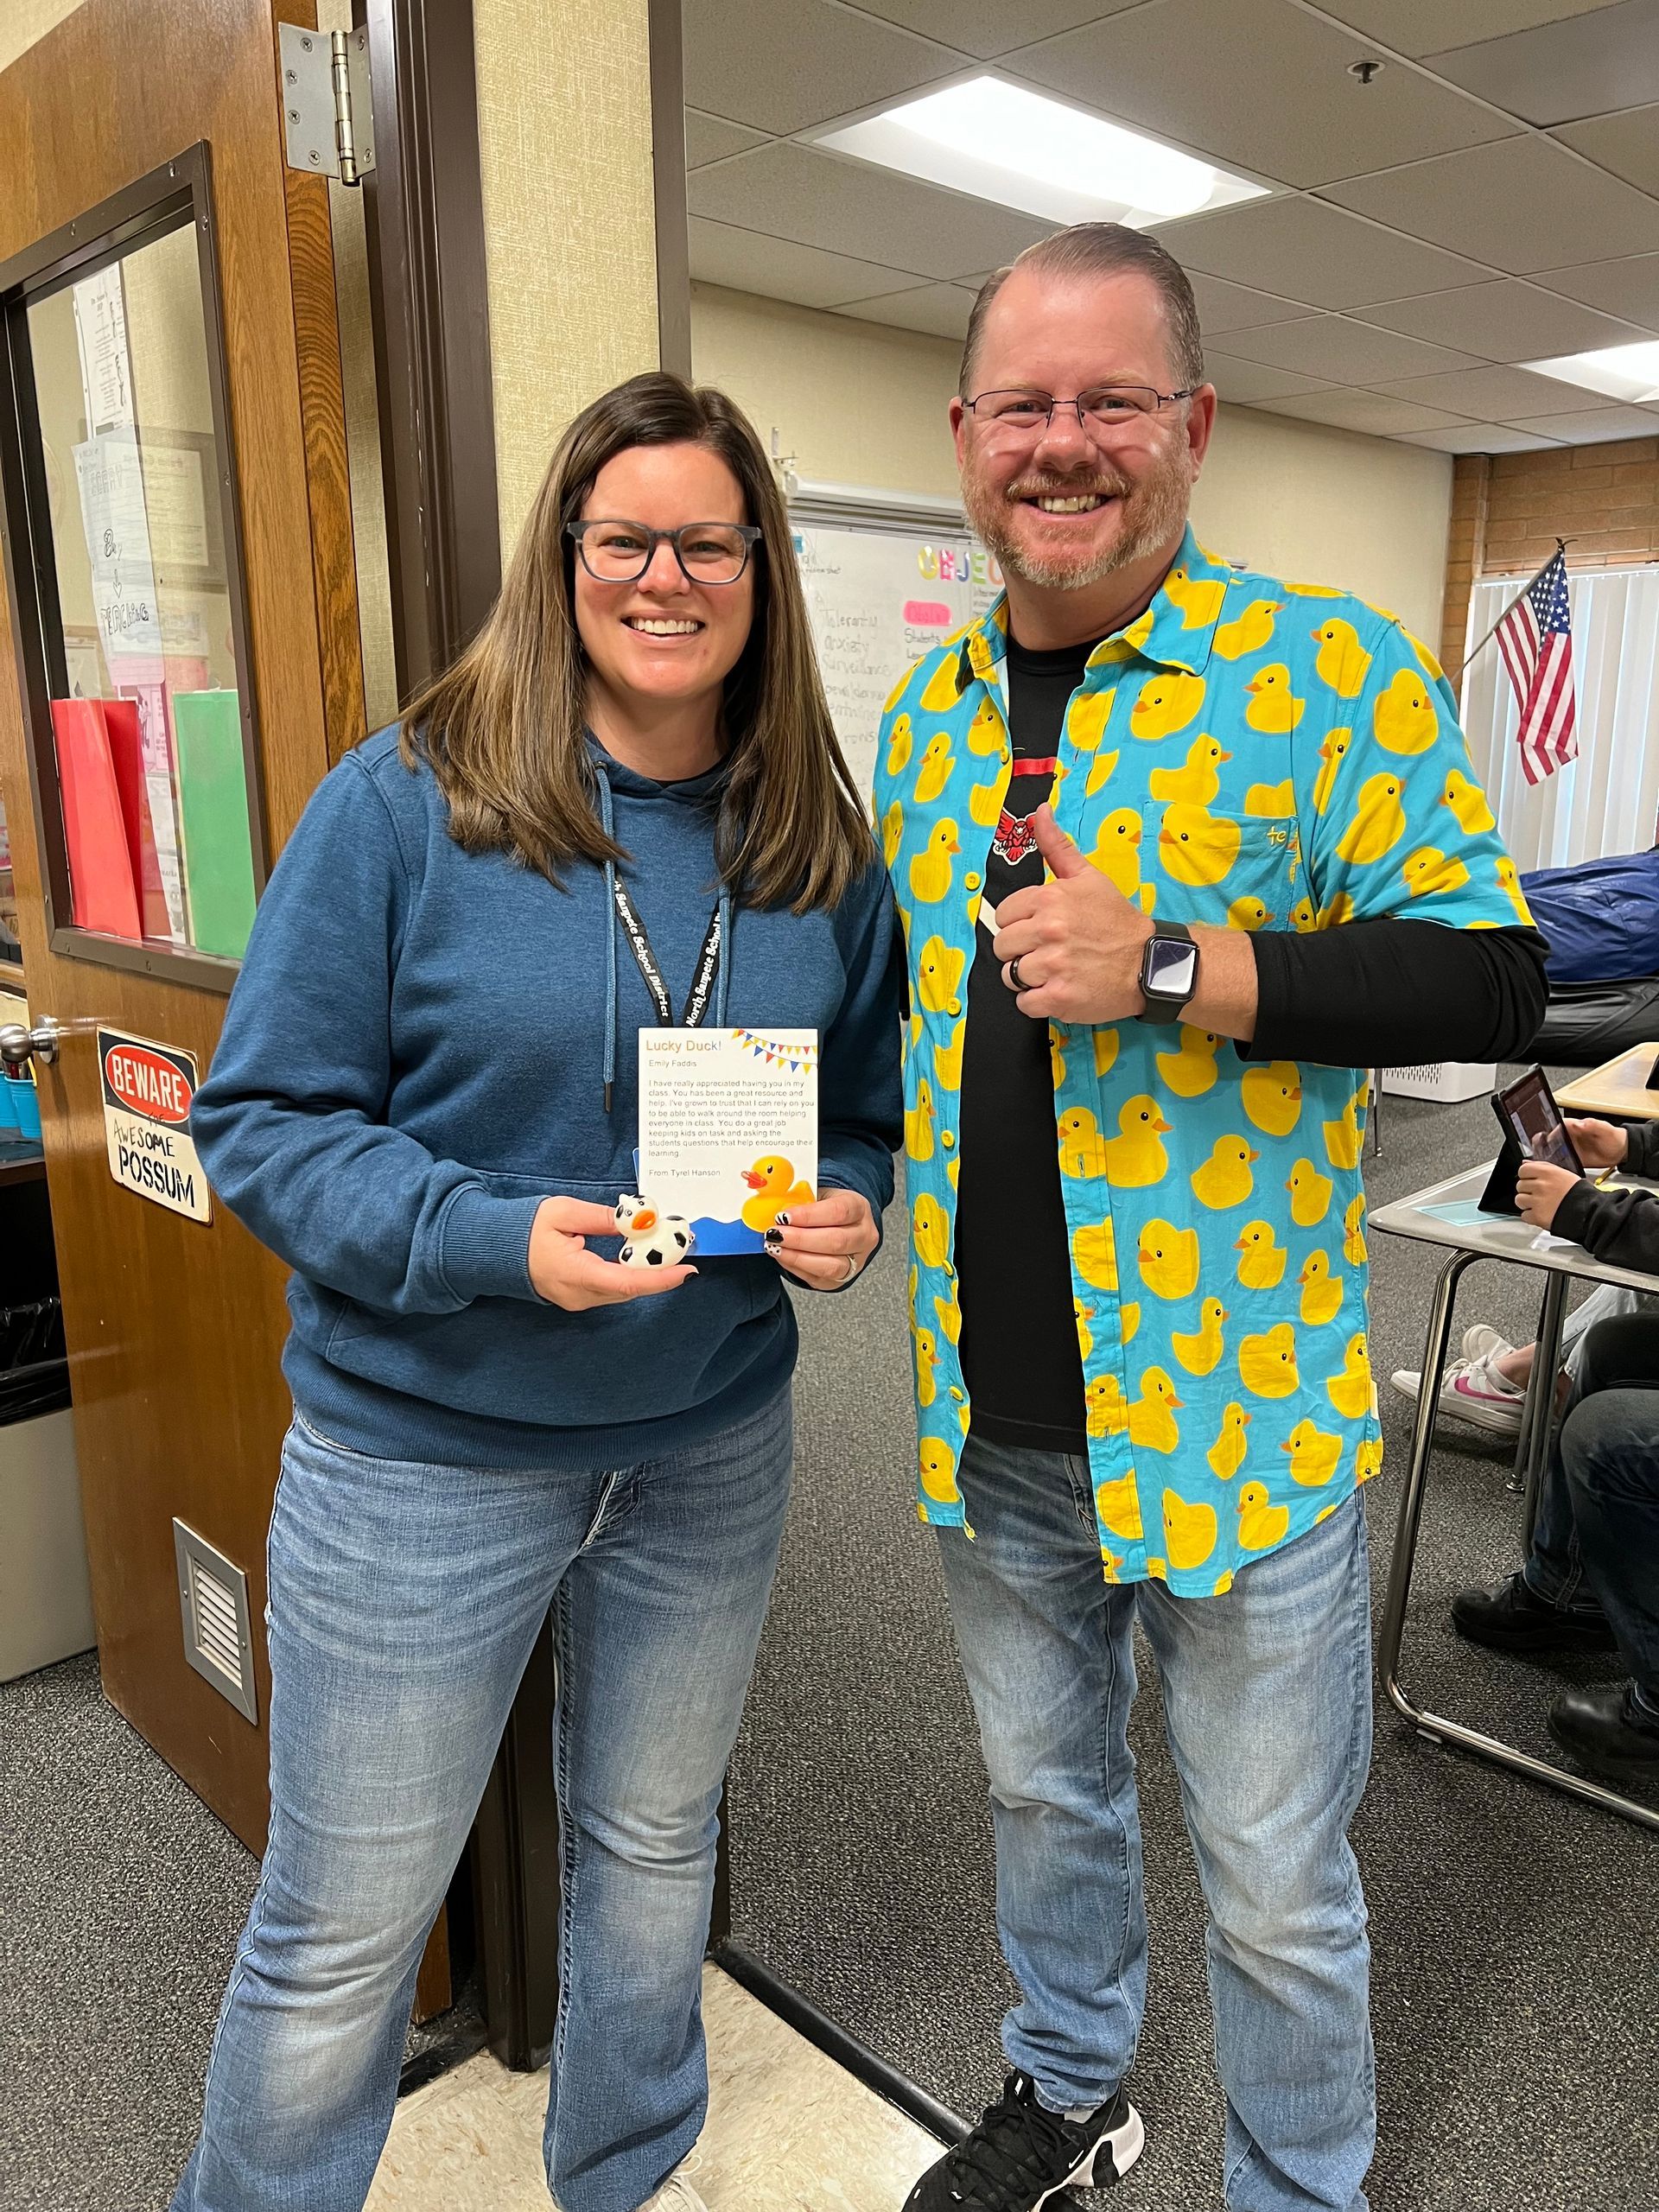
1515	1930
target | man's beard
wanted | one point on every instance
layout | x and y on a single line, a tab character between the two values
1153	514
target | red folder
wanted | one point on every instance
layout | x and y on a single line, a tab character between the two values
127	749
104	894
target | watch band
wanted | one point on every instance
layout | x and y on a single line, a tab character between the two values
1164	1007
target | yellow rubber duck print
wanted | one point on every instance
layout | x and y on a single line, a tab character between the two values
1129	1317
1055	1055
1351	1391
1302	916
1168	1258
1322	1292
1353	1232
1226	1454
1344	1140
947	1059
1262	1267
1333	752
1224	1179
944	687
939	1471
1093	1248
931	869
1247	914
1428	872
1199	598
930	1232
1134	1156
1200	1353
1118	1504
1266	1364
950	1316
1106	1411
934	772
1249	632
1378	825
1105	1042
1117	850
918	1125
899	738
1198	780
1271	799
1086	718
938	977
1274	710
1510	883
927	1363
892	831
1310	1194
1313	1455
1167	702
1197	847
1338	914
985	802
1083	1149
1083	1315
1100	773
985	733
1468	804
1368	1460
1403	718
1190	1531
1261	1525
1152	1415
1272	1097
775	1185
1191	1071
1341	662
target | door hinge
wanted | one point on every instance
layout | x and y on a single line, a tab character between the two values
327	113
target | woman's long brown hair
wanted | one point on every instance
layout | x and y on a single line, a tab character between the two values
504	731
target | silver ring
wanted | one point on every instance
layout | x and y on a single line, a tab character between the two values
1014	976
852	1266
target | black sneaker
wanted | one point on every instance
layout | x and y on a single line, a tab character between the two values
1022	2156
1608	1731
1514	1618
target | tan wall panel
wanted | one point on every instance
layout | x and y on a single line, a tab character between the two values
564	143
24	22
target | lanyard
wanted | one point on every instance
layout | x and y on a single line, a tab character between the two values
696	1003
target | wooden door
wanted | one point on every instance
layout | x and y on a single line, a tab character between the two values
132	128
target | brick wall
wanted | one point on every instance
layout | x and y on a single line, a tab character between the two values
1508	509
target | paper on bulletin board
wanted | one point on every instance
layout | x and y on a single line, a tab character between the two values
728	1129
116	526
100	308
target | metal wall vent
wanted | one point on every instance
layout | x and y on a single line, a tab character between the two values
218	1636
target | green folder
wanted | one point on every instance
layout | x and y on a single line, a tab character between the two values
213	820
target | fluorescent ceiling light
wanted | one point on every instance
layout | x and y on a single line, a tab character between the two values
999	142
1627	372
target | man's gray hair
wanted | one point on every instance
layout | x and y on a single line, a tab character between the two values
1103	249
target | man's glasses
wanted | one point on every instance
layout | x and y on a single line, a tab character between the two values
707	552
1104	411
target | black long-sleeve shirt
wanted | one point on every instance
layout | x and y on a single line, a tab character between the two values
1619	1226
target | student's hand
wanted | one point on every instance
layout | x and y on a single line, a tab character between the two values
1599	1144
814	1242
1538	1189
564	1271
1077	938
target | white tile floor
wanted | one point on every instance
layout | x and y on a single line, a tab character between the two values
788	2130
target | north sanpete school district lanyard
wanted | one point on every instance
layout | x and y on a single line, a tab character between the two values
702	984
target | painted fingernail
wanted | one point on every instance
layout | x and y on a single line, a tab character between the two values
774	1239
783	1221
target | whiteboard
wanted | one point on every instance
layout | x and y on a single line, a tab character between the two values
878	598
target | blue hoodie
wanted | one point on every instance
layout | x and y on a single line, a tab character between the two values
415	1056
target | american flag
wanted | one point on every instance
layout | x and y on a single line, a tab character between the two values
1535	638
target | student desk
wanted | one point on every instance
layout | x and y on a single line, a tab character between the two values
1466	1239
1618	1089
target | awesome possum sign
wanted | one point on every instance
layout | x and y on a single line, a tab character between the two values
148	1091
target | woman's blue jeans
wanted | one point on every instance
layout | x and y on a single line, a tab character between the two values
405	1599
1267	1696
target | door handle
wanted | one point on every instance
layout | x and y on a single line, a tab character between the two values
19	1045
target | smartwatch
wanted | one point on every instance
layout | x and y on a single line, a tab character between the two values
1169	971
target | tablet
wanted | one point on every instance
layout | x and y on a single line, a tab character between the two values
1532	1120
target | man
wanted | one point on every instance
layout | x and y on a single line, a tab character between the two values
1136	1113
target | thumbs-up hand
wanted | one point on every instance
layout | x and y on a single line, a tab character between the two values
1075	940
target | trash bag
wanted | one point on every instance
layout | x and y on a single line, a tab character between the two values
33	1361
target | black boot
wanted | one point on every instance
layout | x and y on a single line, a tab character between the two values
1608	1731
1514	1618
1022	2156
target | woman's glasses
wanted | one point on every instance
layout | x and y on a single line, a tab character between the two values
707	552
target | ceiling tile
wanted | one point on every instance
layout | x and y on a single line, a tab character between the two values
1246	384
710	138
940	311
1627	144
792	63
1257	83
793	191
748	261
1224	307
1506	320
1337	351
1595	425
1304	249
1479	437
1494	395
1585	66
991	26
1629	287
1521	205
1418	26
1361	411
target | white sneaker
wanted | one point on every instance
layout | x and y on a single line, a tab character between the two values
1472	1389
676	2195
1481	1341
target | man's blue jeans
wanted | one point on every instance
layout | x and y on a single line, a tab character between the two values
404	1602
1268	1709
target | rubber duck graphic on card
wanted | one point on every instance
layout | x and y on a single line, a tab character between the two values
728	1135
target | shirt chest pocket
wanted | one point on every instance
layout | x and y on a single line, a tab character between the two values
1221	868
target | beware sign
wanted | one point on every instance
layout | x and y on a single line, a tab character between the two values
148	1093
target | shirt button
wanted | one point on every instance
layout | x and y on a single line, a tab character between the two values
947	1138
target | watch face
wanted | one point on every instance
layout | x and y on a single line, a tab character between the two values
1171	968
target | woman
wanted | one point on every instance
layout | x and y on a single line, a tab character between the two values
424	1101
